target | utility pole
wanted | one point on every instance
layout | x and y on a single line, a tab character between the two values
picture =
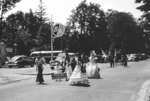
52	38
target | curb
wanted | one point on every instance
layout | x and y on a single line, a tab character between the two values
144	93
33	74
14	81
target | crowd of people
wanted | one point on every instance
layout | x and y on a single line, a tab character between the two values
118	58
78	69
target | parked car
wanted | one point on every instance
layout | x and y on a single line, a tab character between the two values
137	57
20	61
142	56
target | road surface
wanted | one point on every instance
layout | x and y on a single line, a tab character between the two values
117	84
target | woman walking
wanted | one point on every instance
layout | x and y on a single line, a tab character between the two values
39	67
92	69
68	68
79	77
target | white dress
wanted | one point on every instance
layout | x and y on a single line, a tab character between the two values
68	71
78	77
92	70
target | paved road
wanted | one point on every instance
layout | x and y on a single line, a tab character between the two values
118	84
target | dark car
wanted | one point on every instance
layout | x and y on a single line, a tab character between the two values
141	56
26	61
20	61
137	57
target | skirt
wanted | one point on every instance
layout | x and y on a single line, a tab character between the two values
68	71
92	71
78	78
39	78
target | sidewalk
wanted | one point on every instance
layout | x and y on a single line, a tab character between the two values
11	75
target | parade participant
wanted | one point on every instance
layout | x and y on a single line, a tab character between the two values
111	60
124	60
39	67
92	56
73	63
68	71
92	69
68	68
79	77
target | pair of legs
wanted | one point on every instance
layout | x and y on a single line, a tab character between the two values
39	77
112	64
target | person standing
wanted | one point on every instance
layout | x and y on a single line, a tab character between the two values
39	67
92	69
79	77
124	60
73	63
68	68
93	56
111	60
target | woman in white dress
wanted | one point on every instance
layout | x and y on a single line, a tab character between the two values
79	77
92	70
68	69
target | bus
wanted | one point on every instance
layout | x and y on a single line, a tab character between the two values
48	55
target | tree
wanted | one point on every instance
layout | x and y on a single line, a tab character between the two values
88	20
145	8
41	12
32	23
5	5
2	53
23	28
122	29
17	31
14	22
44	34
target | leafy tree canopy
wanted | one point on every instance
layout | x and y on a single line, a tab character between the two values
6	5
122	28
88	25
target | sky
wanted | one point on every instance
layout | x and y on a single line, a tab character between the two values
60	10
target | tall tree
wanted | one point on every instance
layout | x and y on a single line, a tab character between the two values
32	23
23	28
145	8
88	20
5	5
41	12
122	29
44	34
17	31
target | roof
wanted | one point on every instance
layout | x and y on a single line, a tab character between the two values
46	52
